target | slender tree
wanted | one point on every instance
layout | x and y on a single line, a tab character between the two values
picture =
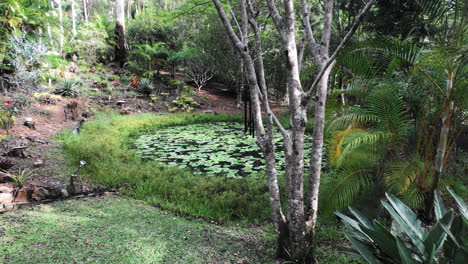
295	230
85	10
73	16
121	49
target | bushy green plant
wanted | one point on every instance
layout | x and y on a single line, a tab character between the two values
21	176
68	87
184	103
91	43
145	86
408	241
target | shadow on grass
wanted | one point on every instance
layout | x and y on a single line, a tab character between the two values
115	229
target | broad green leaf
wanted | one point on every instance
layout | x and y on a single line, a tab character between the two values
364	221
410	229
383	239
405	253
430	258
439	207
364	250
437	235
461	204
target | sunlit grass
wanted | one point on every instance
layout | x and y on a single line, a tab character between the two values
114	229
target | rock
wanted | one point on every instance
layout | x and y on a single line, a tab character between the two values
64	193
19	151
86	189
38	163
40	193
28	122
6	188
23	195
86	114
6	198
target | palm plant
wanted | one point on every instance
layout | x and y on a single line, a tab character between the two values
146	57
361	139
438	94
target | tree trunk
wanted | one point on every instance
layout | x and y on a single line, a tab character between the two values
62	32
121	49
73	16
294	234
316	154
129	9
85	10
441	148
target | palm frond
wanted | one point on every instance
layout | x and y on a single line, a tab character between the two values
342	190
435	9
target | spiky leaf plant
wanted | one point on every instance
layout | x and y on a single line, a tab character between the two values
407	241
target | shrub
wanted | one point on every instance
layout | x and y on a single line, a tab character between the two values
184	103
68	87
46	98
145	86
91	43
5	163
408	241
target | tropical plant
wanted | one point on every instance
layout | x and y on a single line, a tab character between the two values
145	86
435	91
68	87
362	138
146	57
184	103
408	241
21	176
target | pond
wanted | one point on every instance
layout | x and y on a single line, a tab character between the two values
213	149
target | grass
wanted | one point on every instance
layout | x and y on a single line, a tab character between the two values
106	145
114	229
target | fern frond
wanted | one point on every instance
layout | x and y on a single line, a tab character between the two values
337	142
341	191
402	174
359	140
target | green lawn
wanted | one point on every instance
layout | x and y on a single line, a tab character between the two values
114	229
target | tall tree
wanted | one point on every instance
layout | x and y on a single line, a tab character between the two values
73	16
121	49
85	10
295	230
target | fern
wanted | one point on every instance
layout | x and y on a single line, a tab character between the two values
341	190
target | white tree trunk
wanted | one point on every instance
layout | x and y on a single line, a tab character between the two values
85	10
295	234
62	32
73	16
121	48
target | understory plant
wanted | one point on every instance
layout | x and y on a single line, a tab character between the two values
68	87
407	241
184	102
21	176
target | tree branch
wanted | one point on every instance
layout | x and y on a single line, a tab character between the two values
275	15
227	25
341	46
327	27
